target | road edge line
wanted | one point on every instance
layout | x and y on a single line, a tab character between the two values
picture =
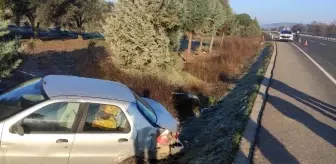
248	140
317	65
25	73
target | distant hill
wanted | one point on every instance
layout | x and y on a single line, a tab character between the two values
275	25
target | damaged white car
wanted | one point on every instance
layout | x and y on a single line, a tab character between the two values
75	120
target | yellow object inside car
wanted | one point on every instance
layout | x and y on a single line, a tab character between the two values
104	118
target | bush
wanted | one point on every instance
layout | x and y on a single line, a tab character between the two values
9	59
174	36
137	33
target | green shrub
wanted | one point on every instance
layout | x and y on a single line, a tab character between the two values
174	36
9	59
137	33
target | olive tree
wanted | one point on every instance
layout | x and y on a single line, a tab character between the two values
81	12
28	8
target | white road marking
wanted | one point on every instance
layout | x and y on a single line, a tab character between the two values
26	73
323	44
317	65
312	41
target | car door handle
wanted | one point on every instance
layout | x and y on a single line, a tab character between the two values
62	141
123	140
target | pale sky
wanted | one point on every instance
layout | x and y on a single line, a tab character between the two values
278	11
296	11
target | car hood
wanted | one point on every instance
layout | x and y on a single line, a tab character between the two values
164	118
286	34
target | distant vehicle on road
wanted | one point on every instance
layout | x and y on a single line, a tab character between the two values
75	120
286	35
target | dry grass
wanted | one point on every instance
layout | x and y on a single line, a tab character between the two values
227	63
204	75
38	46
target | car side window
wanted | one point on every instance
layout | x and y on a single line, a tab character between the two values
106	119
53	118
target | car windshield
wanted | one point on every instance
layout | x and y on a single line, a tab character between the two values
21	97
286	32
145	109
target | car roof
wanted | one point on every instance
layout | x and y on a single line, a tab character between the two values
61	85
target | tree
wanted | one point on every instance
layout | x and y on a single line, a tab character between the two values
8	50
52	12
332	28
137	33
81	12
244	19
218	16
230	19
236	28
193	17
298	27
174	35
253	29
226	2
231	25
204	27
321	29
28	8
248	27
168	17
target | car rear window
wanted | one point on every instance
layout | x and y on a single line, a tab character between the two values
145	109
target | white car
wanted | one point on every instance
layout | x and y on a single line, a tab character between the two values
286	35
75	120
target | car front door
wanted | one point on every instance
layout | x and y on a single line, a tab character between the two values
105	135
48	133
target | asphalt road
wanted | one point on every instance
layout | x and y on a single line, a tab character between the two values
322	51
298	124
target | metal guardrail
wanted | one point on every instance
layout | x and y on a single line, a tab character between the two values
311	36
320	37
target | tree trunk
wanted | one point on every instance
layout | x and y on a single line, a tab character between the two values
212	40
222	39
189	46
79	25
32	23
201	45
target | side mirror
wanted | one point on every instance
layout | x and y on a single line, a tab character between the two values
18	129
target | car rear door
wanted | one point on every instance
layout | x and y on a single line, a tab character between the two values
49	132
105	135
